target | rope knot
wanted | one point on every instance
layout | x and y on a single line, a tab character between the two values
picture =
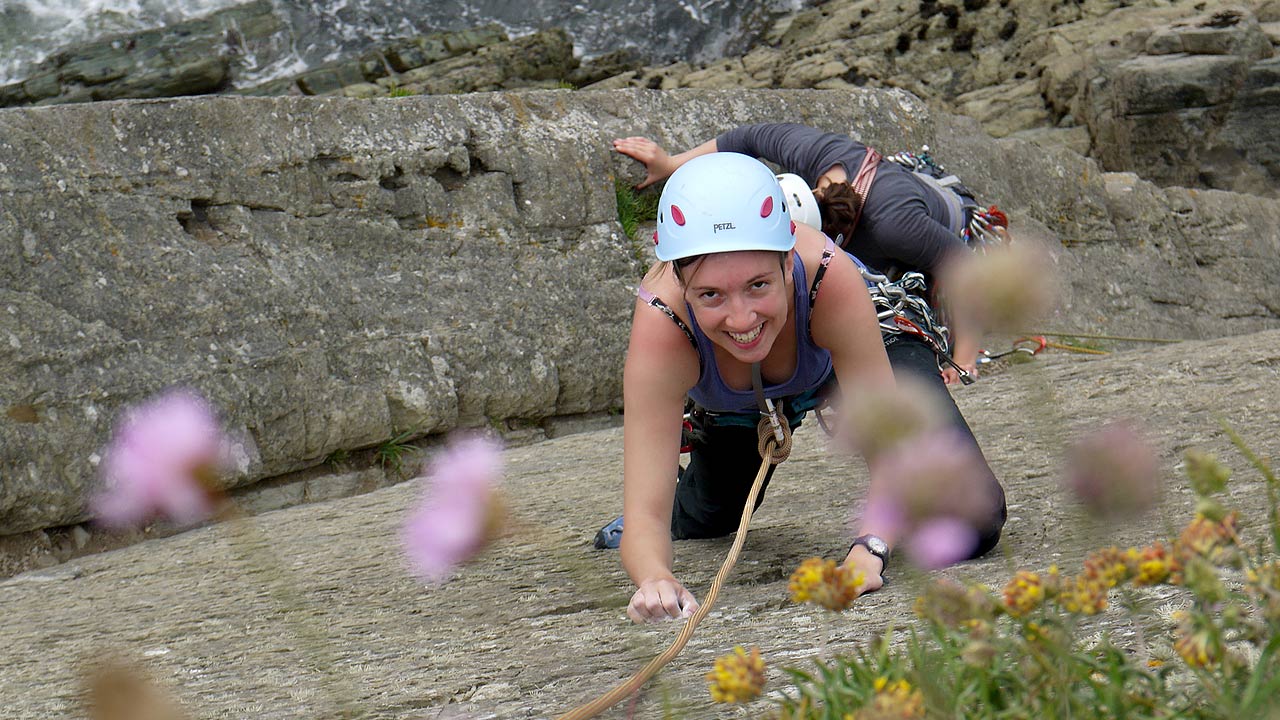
767	430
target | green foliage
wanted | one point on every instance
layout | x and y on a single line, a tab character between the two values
634	208
392	452
395	90
337	457
1052	647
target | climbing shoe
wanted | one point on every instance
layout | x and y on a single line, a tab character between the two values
609	536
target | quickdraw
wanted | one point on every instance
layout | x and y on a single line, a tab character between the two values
902	309
1030	346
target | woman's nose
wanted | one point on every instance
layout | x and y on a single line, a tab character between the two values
742	315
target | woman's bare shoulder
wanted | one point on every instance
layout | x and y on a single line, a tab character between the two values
810	244
662	282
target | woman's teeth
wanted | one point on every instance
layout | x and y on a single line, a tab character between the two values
746	337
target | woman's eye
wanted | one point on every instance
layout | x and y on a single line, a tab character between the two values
759	284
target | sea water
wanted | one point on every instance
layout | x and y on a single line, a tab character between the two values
323	30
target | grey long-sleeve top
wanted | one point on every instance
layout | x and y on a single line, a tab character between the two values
905	225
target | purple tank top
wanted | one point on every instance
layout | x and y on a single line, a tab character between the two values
813	363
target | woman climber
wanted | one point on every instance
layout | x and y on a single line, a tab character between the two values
743	305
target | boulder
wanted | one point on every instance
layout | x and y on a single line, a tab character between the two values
195	57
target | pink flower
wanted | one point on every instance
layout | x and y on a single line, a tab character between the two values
1114	472
932	474
1004	289
880	417
933	491
940	542
459	513
160	462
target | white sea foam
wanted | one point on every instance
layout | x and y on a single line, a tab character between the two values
323	30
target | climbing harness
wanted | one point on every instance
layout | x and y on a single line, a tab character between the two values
772	425
982	227
862	180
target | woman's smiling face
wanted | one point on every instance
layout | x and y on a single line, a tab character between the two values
741	300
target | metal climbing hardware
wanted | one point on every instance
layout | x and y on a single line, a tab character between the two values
1029	346
902	309
981	226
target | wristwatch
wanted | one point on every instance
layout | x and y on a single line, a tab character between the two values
876	546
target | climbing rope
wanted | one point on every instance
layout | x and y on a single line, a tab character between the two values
1042	340
1121	338
1075	348
771	453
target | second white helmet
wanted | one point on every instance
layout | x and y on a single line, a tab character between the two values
804	206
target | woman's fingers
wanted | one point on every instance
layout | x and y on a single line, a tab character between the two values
638	148
660	600
646	151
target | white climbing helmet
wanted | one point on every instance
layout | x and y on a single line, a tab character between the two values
800	200
722	202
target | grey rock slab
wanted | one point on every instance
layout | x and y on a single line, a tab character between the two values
297	612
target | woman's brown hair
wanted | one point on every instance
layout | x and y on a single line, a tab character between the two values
839	206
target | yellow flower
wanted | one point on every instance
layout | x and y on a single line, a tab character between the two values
737	677
1154	565
1263	585
1023	594
892	701
824	583
953	605
1110	566
1198	646
1209	539
1085	595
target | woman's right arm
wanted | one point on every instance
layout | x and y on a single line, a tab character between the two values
660	369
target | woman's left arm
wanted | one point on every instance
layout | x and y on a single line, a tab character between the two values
844	321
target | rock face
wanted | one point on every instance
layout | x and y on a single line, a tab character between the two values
341	276
193	58
224	51
1180	92
297	613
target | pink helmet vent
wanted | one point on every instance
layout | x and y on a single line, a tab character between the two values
677	215
766	207
793	227
655	237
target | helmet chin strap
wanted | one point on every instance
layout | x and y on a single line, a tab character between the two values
765	404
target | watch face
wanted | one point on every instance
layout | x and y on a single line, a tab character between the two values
877	546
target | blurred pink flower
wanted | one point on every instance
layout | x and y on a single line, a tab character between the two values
1004	289
161	462
1114	471
459	512
878	418
941	541
933	492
